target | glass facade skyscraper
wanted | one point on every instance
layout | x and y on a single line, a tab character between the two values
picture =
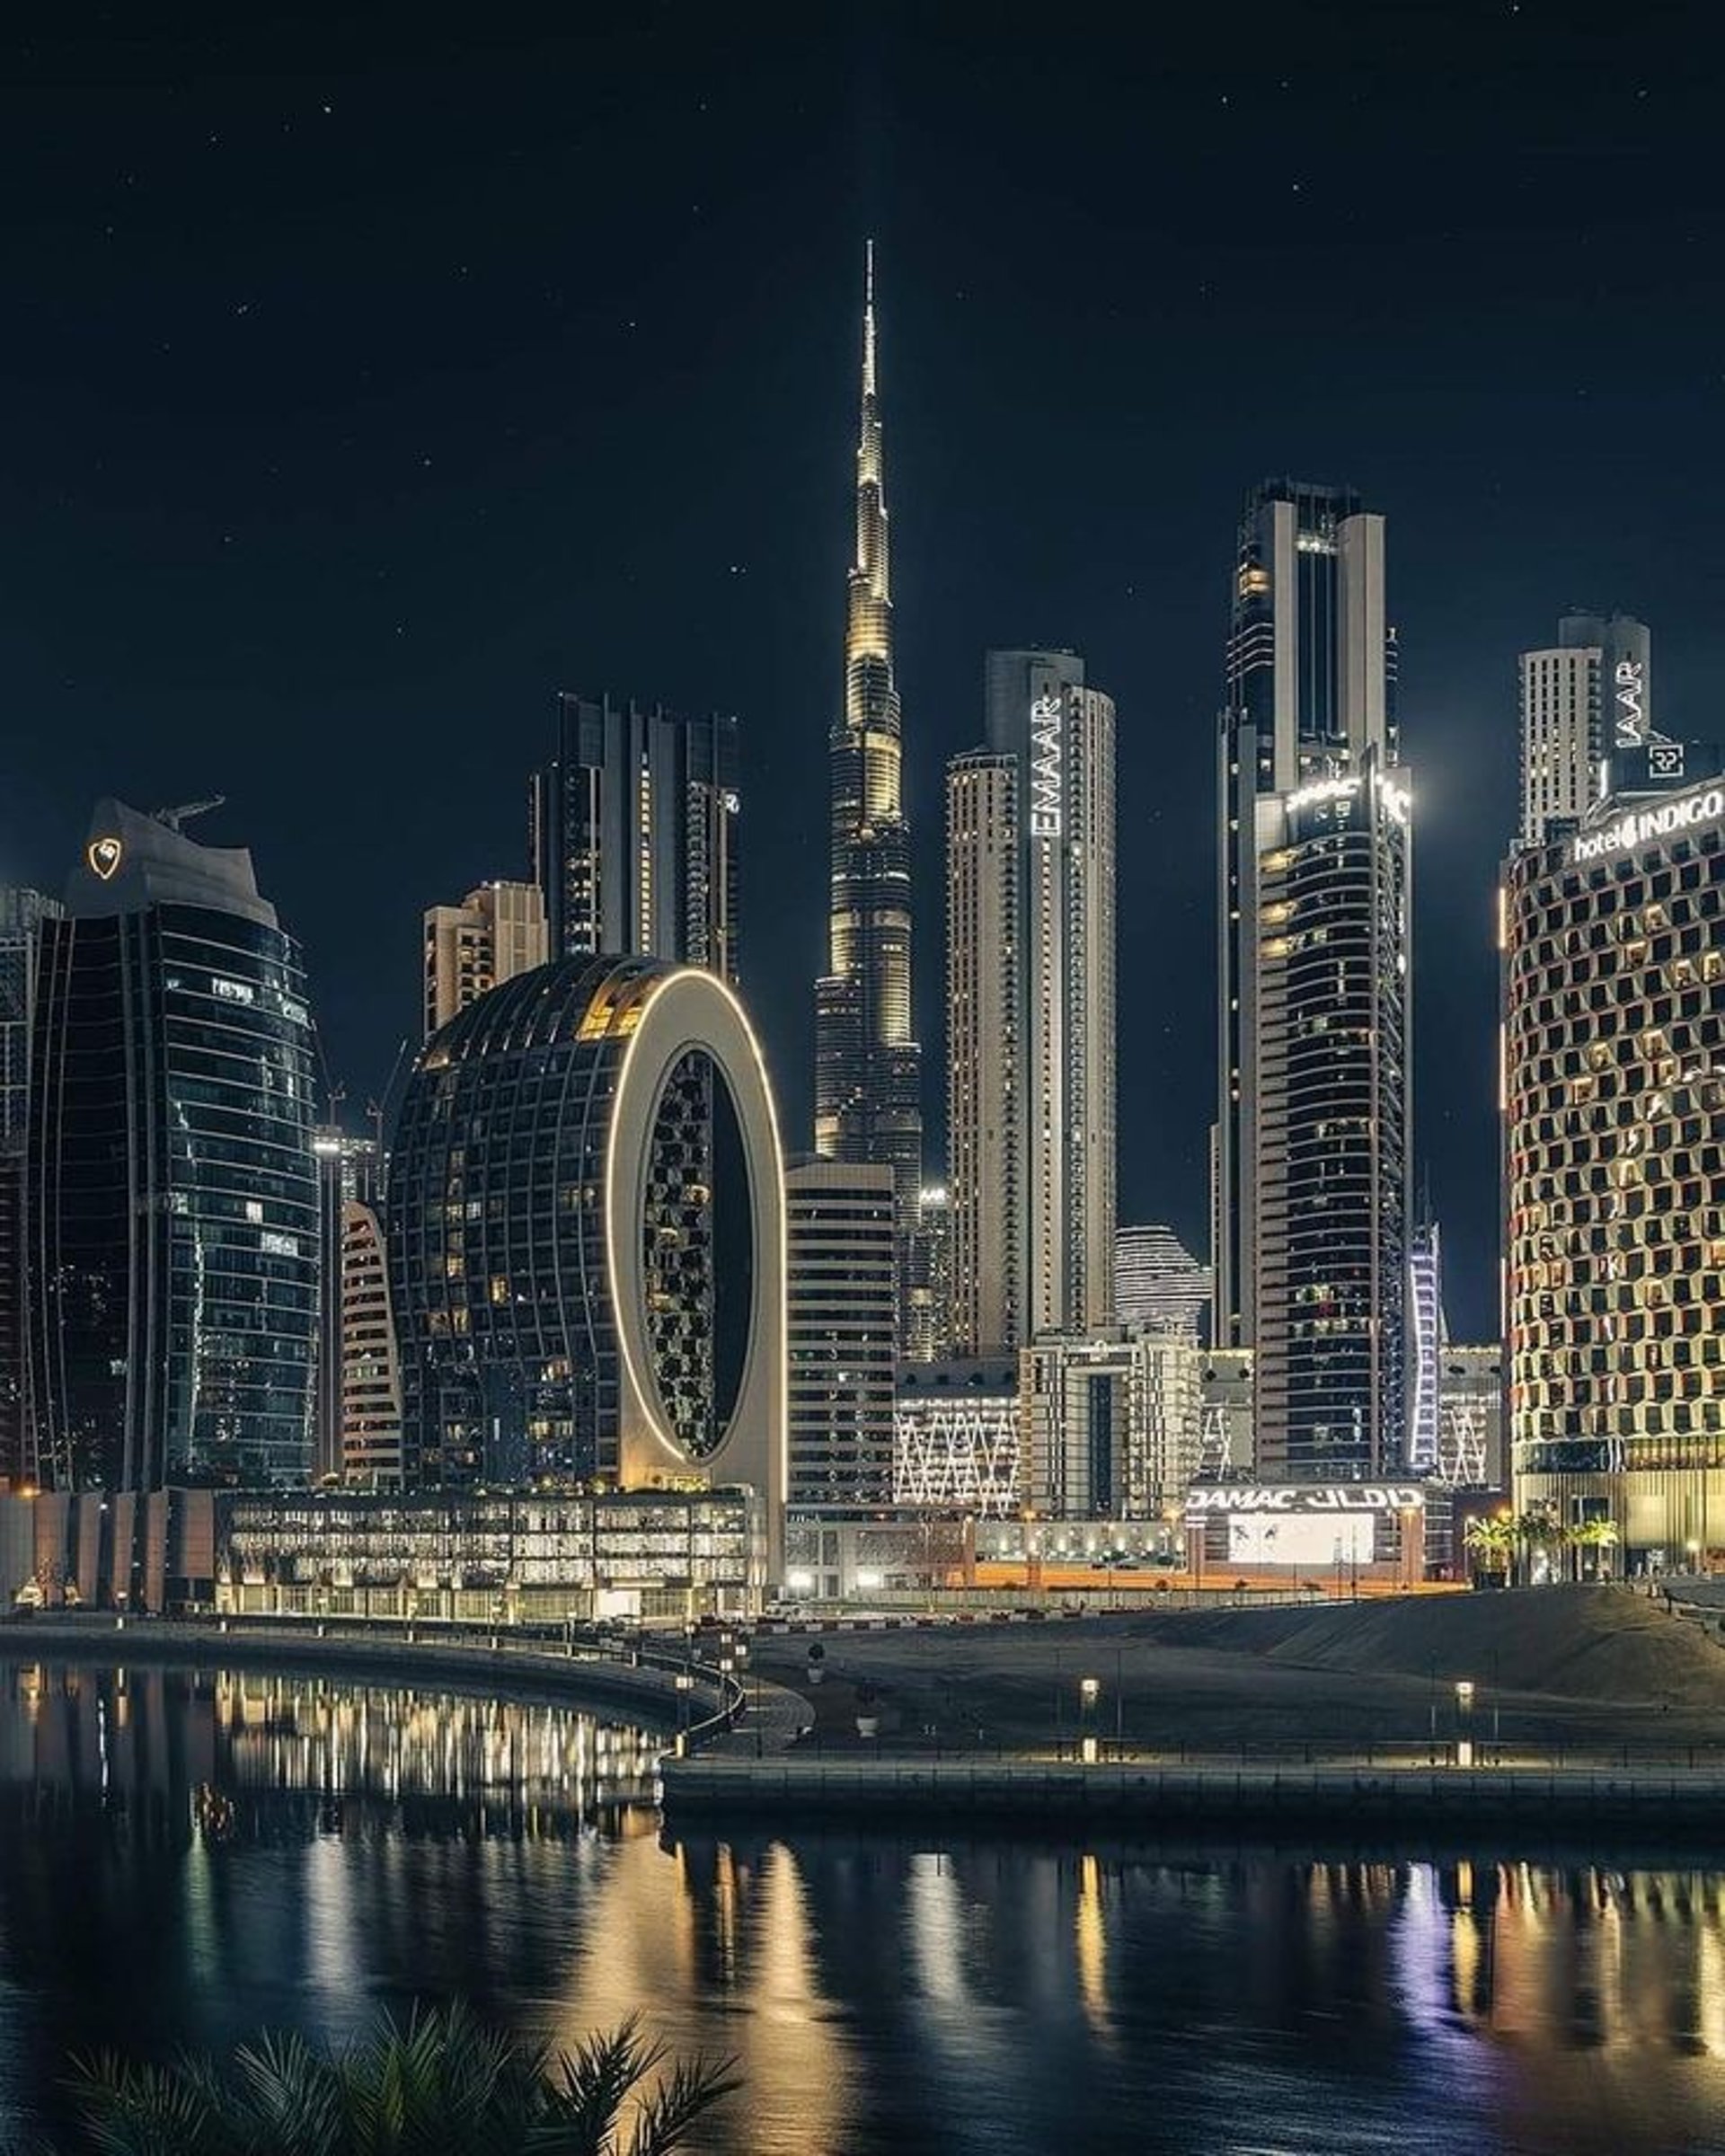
1309	687
170	1185
1311	1147
1333	1179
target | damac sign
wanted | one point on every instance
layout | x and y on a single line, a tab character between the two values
1640	826
1047	779
1290	1496
1632	703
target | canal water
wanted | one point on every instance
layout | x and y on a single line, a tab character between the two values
188	1857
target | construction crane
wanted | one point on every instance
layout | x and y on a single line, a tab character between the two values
174	818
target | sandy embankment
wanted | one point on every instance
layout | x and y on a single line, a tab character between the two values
1571	1667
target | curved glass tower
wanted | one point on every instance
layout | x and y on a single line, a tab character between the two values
171	1191
868	1064
585	1220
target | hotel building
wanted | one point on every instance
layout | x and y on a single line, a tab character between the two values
1613	1091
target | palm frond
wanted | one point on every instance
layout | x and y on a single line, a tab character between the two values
686	2095
597	2080
132	2108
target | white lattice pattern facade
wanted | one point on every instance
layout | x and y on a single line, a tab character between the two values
956	1446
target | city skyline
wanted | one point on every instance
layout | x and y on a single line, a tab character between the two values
232	552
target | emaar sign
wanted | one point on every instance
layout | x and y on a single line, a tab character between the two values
1642	826
1630	686
1047	757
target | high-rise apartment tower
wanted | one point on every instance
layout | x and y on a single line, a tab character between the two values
1584	700
1030	826
497	932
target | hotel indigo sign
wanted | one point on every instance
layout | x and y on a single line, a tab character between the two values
1641	826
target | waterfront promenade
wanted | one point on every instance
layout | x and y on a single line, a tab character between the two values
1521	1798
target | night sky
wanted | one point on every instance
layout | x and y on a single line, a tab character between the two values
364	383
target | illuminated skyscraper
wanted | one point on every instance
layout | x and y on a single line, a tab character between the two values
635	834
868	1064
1310	1150
1031	1008
497	932
1311	687
1330	1100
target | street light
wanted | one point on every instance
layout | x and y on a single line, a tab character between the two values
684	1682
1463	1721
1089	1692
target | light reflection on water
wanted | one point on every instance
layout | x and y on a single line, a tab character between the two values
185	1857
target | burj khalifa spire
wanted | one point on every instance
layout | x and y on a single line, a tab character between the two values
868	1064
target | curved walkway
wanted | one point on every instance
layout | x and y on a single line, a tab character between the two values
579	1674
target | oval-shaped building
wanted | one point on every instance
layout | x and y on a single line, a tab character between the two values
586	1239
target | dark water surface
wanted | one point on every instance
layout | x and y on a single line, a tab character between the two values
185	1857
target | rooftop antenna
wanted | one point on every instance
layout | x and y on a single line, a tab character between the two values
175	818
